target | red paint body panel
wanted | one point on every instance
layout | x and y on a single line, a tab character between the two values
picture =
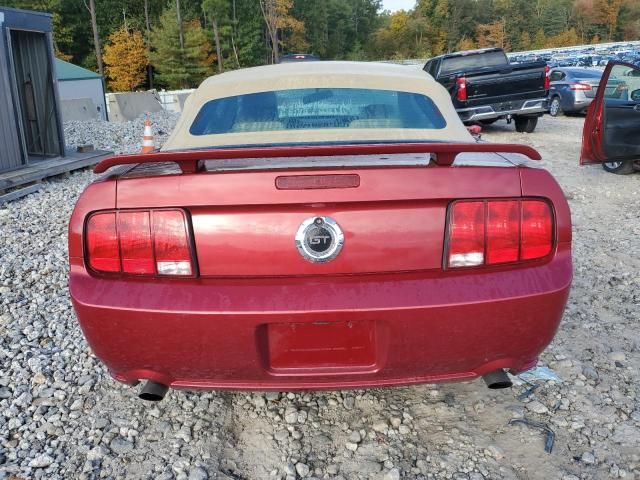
233	244
211	333
238	189
592	131
384	312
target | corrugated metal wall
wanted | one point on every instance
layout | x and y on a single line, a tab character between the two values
34	81
10	147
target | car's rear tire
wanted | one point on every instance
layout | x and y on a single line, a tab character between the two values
554	107
619	168
526	124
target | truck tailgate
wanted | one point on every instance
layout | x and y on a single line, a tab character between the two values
521	82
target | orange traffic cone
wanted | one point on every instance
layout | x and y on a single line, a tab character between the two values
147	140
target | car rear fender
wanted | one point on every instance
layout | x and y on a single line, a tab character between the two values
537	182
100	195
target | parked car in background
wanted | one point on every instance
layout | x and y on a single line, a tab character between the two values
299	57
320	226
611	134
572	89
485	87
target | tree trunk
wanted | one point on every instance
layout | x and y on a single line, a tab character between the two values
180	26
148	26
233	34
216	35
96	36
275	46
272	28
235	52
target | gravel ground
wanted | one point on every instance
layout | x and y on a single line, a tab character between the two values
62	417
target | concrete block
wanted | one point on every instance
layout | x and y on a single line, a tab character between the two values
125	107
78	109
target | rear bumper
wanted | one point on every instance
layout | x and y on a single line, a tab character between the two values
578	103
414	328
487	112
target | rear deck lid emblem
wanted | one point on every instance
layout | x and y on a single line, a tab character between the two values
319	239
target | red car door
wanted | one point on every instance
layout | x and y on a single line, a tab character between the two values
612	128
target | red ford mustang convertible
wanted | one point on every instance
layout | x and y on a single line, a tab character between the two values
320	226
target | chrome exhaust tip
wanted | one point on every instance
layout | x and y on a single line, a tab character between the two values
153	391
497	379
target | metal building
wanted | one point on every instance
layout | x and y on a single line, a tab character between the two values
30	123
31	131
81	92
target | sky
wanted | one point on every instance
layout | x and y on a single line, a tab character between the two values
394	5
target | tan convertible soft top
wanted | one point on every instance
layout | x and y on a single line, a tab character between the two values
364	75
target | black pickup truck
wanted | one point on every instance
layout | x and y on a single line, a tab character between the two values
485	87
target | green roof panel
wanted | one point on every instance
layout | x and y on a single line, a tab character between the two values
68	71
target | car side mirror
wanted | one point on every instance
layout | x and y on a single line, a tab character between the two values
635	95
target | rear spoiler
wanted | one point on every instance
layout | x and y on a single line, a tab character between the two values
189	161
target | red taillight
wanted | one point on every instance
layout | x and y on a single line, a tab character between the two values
547	77
503	232
149	242
102	243
580	87
136	248
461	83
466	234
173	255
537	230
493	232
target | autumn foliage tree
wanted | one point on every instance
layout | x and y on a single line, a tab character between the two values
563	39
278	20
255	32
466	43
607	12
493	34
126	59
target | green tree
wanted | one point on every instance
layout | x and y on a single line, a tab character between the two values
218	12
281	24
333	29
248	26
557	17
197	53
540	40
525	41
176	67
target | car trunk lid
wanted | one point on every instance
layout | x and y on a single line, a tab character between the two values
391	211
594	87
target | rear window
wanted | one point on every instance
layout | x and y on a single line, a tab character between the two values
587	75
317	108
472	61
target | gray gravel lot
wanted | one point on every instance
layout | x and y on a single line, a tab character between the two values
62	417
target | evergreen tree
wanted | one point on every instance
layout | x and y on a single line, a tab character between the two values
198	55
218	13
176	67
333	29
252	49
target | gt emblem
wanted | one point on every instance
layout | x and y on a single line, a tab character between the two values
319	239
